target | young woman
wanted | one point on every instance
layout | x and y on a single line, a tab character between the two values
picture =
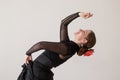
57	53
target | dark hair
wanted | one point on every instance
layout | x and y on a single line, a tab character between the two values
91	41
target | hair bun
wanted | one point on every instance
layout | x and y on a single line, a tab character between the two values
89	52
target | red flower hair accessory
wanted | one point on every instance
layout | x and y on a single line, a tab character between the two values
89	52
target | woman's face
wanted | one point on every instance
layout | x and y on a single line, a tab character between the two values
81	35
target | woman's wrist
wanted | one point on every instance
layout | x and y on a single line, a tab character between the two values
80	14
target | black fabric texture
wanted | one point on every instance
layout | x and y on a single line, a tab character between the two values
27	72
41	72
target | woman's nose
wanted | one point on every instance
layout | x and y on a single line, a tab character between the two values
80	29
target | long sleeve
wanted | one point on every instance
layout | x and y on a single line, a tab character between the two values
57	47
63	28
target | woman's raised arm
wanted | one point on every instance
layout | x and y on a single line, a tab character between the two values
63	28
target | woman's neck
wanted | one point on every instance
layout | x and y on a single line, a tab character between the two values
78	43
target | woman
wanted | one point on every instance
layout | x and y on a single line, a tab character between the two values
57	53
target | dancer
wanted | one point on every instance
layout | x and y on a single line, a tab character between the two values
57	53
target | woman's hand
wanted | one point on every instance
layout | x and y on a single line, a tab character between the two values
28	59
85	15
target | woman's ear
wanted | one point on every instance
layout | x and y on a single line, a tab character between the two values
84	41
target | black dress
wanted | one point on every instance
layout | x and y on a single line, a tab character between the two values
53	50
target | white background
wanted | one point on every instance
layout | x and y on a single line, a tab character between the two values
25	22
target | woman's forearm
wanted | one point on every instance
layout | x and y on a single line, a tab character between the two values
64	23
34	48
70	18
56	47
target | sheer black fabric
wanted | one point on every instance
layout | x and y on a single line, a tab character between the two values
52	59
64	47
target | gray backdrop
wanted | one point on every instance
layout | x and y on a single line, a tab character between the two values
25	22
